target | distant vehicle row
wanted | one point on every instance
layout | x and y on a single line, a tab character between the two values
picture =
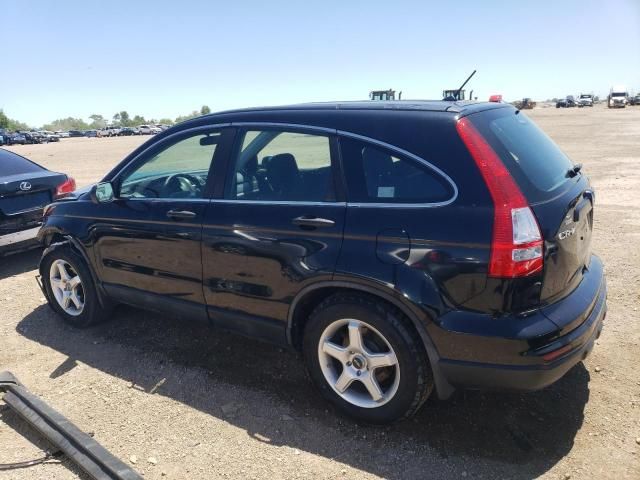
22	137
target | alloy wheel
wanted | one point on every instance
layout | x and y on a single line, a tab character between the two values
66	286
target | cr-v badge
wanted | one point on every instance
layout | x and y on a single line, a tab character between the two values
566	233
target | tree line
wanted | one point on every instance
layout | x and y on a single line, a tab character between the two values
96	121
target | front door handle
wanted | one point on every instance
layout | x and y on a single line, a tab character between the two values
180	214
314	222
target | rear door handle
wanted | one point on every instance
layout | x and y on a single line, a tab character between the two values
180	214
314	222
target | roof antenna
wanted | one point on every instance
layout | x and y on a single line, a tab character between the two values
456	96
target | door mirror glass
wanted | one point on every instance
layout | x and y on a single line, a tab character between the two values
103	192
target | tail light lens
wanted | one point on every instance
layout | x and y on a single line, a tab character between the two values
516	246
65	188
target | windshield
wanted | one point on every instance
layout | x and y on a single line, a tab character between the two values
619	94
535	161
585	96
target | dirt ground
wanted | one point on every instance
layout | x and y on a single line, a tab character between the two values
186	402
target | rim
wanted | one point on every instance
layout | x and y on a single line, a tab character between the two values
359	363
66	286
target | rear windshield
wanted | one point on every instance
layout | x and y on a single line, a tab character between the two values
533	159
12	164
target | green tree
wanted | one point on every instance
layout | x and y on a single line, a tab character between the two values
4	120
125	121
116	119
69	123
138	120
98	121
205	110
165	121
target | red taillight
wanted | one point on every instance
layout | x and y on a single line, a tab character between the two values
516	247
65	188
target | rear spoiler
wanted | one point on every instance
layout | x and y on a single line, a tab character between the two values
79	447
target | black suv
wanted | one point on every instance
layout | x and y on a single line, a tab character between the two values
402	247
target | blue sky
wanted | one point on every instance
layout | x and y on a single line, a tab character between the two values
164	58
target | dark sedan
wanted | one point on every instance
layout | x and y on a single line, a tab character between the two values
568	102
25	189
76	133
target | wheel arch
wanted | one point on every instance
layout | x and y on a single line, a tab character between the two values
310	296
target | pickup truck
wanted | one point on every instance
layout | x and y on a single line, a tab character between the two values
585	100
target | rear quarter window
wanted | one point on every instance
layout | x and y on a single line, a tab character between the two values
12	164
378	175
533	159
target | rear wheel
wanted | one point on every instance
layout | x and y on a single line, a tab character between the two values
365	359
69	286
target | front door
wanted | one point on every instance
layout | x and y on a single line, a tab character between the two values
278	228
148	241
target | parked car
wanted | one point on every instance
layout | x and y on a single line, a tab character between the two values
76	133
91	133
16	139
397	264
62	134
567	102
33	138
635	100
618	96
5	137
148	129
25	188
585	100
127	131
51	137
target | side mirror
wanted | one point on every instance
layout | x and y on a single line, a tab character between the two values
102	193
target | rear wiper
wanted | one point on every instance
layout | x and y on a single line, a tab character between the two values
575	170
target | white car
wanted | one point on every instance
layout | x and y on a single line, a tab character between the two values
148	129
62	133
585	100
618	96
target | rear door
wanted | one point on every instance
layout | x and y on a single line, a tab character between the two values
558	193
25	188
278	228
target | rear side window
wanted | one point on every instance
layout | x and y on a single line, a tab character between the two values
378	175
12	164
533	159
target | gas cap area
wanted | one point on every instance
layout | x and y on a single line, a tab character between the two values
393	246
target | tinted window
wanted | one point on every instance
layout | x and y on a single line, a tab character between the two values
12	164
378	175
274	165
180	170
534	160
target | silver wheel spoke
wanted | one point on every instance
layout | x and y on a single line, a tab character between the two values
62	271
378	360
343	381
76	300
66	299
74	282
355	337
335	351
372	386
56	284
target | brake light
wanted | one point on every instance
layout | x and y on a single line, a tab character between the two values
65	188
516	246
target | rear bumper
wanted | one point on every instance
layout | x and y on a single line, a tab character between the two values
552	340
19	240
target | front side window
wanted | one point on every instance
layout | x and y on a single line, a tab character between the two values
377	175
276	165
180	170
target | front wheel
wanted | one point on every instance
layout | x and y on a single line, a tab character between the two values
69	286
365	358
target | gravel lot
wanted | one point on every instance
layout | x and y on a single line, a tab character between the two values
182	401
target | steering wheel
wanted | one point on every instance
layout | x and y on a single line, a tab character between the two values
181	182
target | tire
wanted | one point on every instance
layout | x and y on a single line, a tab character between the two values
92	312
387	337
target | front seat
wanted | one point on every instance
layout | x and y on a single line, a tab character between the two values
283	176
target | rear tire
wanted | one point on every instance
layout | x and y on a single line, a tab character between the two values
364	357
69	287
